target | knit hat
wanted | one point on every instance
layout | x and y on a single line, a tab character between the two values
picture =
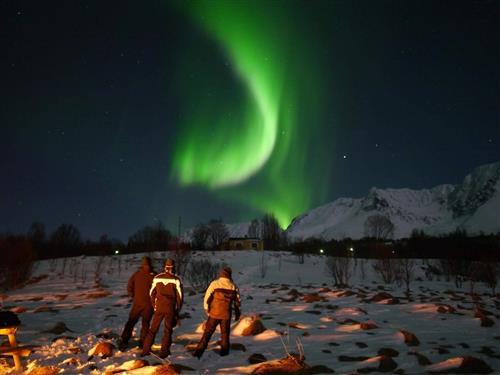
226	272
146	261
169	263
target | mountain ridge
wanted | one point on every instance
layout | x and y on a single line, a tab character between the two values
473	205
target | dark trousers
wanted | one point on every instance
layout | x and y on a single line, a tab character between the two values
210	327
144	312
169	323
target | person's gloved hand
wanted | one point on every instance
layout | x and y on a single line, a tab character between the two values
237	315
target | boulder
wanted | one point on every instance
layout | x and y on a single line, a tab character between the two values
256	358
58	328
103	349
249	326
313	297
460	365
367	325
409	338
388	352
291	364
385	364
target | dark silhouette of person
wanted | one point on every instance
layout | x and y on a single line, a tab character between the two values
138	288
167	298
221	297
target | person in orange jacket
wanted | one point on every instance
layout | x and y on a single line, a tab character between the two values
221	297
138	287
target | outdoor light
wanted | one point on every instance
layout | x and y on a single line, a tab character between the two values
351	249
117	251
321	251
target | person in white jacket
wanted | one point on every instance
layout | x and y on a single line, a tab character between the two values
221	297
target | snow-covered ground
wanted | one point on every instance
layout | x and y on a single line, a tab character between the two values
340	329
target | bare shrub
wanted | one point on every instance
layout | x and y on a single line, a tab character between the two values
340	268
16	262
490	275
387	268
53	265
201	272
263	266
455	269
218	233
406	271
63	266
200	236
99	265
362	269
181	257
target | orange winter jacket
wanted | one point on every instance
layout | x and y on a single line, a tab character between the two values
221	296
138	287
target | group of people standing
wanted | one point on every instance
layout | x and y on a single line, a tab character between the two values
159	298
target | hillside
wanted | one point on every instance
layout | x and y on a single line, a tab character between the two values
74	304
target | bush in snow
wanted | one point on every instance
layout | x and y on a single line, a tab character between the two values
388	269
16	262
340	268
181	256
201	272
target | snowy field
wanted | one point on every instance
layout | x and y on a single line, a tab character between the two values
359	329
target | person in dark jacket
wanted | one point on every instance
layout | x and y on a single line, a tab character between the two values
138	288
167	298
221	297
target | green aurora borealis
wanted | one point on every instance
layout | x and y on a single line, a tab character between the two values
252	133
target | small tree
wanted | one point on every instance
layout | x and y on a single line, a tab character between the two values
201	272
254	229
271	232
16	262
263	265
200	236
150	239
341	270
65	241
218	233
379	227
181	256
407	271
36	234
490	274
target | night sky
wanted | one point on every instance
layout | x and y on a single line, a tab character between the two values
119	114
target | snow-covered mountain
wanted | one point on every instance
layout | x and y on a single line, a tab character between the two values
473	205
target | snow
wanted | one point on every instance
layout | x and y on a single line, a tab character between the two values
473	205
81	301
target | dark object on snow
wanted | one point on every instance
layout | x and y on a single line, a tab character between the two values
386	364
389	352
102	349
8	319
292	364
410	338
60	327
347	358
256	358
469	365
